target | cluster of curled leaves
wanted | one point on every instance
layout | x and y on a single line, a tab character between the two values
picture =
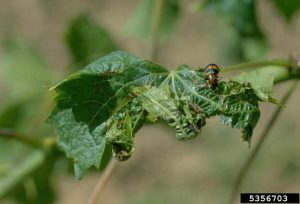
108	101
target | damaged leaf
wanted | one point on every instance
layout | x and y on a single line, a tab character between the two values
108	101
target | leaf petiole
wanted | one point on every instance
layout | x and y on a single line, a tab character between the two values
248	65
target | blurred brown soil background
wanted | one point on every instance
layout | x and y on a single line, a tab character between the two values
162	169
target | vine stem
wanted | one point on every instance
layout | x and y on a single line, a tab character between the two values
277	62
9	133
102	181
157	13
290	68
245	168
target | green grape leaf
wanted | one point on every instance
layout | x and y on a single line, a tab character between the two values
87	41
141	21
240	107
160	104
261	81
287	8
240	17
87	100
108	101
